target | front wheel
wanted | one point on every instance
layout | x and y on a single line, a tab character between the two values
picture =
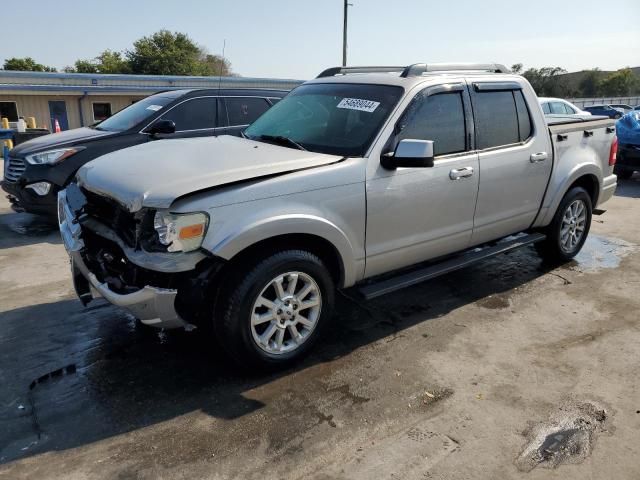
569	229
277	310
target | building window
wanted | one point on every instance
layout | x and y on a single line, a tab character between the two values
101	111
9	110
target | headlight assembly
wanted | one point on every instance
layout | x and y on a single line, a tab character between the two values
181	232
51	157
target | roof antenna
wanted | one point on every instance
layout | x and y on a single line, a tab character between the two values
218	103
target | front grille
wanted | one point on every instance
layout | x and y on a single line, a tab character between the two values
14	169
113	215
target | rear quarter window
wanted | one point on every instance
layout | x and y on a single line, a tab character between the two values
525	127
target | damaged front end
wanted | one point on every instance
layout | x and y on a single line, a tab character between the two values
114	255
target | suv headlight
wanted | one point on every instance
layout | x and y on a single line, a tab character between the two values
181	232
51	157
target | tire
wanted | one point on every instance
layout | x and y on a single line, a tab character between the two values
576	205
306	311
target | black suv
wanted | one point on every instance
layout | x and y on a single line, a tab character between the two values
38	169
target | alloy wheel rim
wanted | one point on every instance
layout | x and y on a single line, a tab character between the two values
285	313
574	221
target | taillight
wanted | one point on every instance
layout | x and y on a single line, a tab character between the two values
613	153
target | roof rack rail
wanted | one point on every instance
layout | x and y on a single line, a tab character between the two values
418	69
330	72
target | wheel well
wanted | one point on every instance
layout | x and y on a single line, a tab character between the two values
298	241
590	184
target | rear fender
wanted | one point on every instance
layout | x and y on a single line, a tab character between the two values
561	181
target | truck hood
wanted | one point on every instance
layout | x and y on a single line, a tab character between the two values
156	173
55	140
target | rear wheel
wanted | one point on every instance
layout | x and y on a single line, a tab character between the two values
569	229
277	310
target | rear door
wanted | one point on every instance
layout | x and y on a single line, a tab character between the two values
515	159
241	112
416	214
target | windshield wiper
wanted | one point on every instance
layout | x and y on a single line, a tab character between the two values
281	140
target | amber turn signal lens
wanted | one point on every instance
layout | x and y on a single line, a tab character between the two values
191	231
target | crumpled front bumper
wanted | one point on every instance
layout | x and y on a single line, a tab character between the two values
151	305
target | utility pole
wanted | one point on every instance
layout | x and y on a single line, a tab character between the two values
344	33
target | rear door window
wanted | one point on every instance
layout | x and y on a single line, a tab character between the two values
193	114
245	110
496	118
558	108
438	117
545	108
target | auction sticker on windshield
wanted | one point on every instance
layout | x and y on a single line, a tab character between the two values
358	104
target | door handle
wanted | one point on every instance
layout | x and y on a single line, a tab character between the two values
458	173
538	157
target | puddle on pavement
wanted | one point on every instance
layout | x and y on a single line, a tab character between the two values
33	229
494	302
567	437
601	252
30	225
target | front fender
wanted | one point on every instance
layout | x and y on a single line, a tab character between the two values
235	241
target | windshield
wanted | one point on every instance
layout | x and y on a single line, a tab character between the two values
339	119
134	114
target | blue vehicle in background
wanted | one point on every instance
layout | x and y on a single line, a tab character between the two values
605	110
628	133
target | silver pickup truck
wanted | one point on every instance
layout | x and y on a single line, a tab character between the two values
376	177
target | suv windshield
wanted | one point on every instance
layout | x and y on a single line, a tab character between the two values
339	119
134	114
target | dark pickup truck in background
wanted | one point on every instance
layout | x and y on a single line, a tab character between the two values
38	169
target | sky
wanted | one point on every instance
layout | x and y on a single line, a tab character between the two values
299	38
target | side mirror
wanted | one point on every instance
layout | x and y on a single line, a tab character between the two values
410	153
162	126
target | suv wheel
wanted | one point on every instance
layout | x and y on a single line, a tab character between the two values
569	229
277	310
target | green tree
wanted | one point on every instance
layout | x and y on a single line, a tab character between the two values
165	53
83	66
107	62
112	62
620	83
26	64
590	83
214	65
516	68
547	81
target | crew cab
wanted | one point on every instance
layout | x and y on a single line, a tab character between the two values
38	169
369	177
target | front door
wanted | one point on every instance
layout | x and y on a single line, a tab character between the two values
416	214
58	111
515	160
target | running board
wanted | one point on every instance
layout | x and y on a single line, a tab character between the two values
414	277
